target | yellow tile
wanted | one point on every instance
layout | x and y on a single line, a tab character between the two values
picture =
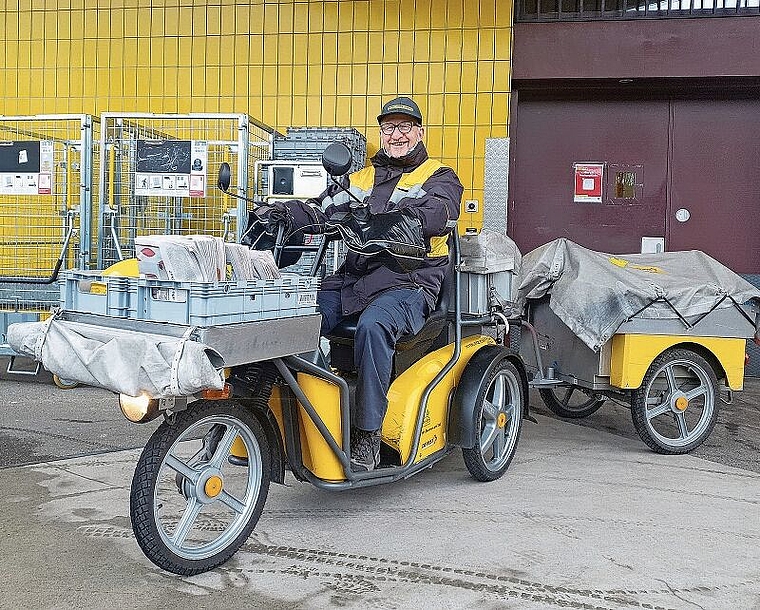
330	48
437	16
313	110
298	112
374	79
343	109
405	75
451	108
314	80
256	49
328	115
330	16
502	43
376	16
345	47
129	52
390	47
343	79
300	48
361	16
284	81
433	114
455	13
438	50
184	82
390	80
501	76
360	47
329	80
199	21
406	46
359	79
504	14
284	49
75	58
420	77
469	82
436	76
301	18
453	45
500	108
358	115
346	15
485	76
452	72
130	22
300	80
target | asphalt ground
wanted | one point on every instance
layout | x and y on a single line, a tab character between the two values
586	518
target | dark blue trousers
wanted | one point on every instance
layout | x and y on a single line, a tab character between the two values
388	317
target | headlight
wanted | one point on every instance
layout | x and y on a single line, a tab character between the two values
138	409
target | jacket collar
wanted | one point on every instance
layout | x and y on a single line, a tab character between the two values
414	158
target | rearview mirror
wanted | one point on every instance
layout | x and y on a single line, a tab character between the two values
225	175
336	159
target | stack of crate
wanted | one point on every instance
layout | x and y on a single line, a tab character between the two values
308	144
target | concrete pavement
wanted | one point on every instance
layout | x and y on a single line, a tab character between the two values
582	519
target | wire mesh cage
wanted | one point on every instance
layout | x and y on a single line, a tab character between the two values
158	176
46	191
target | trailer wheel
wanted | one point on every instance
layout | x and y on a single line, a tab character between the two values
64	384
676	407
574	403
191	505
498	423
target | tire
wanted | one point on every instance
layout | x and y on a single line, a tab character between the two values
586	403
676	407
186	479
498	422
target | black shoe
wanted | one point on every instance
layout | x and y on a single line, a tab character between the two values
365	450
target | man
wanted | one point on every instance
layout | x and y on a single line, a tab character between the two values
391	298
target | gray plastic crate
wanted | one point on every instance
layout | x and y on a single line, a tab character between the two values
308	143
202	304
93	292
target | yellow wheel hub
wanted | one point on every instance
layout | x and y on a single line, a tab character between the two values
213	486
501	421
681	403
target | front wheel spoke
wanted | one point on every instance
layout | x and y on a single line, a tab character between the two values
671	376
232	502
499	442
509	411
490	411
179	466
224	446
683	430
698	391
566	398
187	521
663	407
499	390
488	436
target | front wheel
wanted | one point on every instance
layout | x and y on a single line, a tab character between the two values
500	403
194	500
676	407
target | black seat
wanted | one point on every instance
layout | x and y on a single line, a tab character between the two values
342	336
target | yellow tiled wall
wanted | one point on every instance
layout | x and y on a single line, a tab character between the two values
284	62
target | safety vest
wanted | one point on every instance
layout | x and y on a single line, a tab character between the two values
410	185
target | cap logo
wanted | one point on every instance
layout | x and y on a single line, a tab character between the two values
400	107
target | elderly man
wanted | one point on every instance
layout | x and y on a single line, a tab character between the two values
390	297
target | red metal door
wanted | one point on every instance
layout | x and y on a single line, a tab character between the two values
552	135
716	180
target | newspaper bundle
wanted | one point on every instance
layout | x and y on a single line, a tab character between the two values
200	258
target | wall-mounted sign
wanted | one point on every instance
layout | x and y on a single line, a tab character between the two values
588	182
26	168
171	168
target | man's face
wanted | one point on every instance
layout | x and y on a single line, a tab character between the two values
396	143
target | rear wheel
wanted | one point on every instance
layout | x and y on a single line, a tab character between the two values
572	401
194	501
676	407
500	403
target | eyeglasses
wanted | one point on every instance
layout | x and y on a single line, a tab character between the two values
403	127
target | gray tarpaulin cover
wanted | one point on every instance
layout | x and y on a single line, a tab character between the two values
594	293
488	252
122	361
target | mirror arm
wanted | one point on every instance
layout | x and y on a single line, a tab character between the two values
350	194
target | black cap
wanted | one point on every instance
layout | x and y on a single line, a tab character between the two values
401	105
